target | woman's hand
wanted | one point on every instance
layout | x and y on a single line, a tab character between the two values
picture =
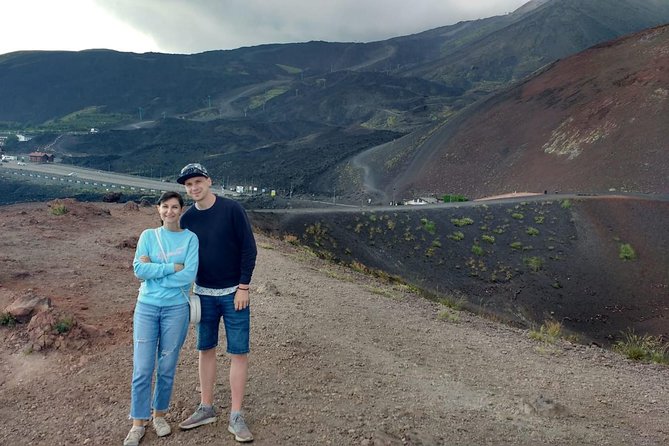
178	267
144	259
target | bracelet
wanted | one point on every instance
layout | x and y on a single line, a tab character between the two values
243	289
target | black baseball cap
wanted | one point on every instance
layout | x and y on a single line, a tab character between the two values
192	170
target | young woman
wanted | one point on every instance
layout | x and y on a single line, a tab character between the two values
166	261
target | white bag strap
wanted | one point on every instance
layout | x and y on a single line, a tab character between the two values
160	244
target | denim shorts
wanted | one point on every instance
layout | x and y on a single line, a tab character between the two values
237	324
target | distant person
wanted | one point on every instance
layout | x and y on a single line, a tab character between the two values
166	261
227	260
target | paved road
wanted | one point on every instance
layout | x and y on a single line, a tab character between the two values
64	173
91	177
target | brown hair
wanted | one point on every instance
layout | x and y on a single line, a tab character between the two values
169	195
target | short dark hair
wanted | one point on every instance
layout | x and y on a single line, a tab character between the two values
169	195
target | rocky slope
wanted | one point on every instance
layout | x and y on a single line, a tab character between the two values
593	122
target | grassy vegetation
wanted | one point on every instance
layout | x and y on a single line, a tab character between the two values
457	236
84	120
59	209
459	222
488	238
643	348
7	320
549	332
428	225
64	325
383	292
453	302
532	231
290	238
260	100
453	198
448	314
626	252
288	69
534	263
477	250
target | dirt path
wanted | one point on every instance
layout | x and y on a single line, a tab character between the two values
337	358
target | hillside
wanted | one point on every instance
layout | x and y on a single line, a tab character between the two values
536	37
589	123
337	357
326	92
526	261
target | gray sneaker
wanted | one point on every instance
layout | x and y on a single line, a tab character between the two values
239	428
200	417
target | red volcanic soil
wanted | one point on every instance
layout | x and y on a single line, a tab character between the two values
593	122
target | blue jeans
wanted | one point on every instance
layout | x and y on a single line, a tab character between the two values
237	324
158	332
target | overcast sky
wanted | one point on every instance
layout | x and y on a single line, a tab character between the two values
193	26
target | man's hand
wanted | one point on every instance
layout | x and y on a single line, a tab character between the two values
241	299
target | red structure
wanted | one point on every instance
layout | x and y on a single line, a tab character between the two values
41	157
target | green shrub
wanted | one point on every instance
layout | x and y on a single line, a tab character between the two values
452	301
643	348
627	252
488	238
59	209
462	221
516	245
534	263
532	231
448	315
477	250
291	238
64	325
549	332
539	219
566	204
517	216
453	198
428	225
457	236
7	320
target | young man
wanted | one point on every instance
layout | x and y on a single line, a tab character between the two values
227	259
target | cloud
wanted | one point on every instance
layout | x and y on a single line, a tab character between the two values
192	26
52	25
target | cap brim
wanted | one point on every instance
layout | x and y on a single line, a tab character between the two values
183	179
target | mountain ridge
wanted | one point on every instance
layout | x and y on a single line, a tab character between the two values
409	85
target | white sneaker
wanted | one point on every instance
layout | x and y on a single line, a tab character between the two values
134	436
161	426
